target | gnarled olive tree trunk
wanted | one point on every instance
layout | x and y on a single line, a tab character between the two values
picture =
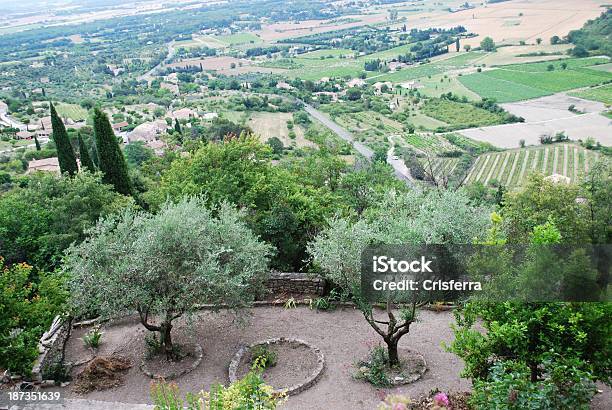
395	329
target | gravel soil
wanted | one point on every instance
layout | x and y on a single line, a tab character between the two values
294	365
343	336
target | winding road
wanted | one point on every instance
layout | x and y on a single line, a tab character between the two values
149	75
8	121
401	171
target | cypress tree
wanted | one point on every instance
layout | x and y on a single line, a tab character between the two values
177	126
94	154
65	153
110	158
86	161
37	143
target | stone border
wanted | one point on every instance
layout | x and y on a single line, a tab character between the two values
415	376
289	391
172	376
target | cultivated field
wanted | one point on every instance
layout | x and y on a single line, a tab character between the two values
524	81
72	111
238	38
602	94
519	20
547	115
510	168
268	124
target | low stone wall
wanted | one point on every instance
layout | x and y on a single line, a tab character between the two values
50	348
295	283
291	390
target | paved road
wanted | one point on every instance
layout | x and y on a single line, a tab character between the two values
8	121
149	75
401	171
338	130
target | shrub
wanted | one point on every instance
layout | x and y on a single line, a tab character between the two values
509	387
373	370
27	309
527	333
250	393
263	355
93	338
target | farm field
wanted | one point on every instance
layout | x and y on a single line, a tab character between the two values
443	84
267	125
72	111
510	168
369	127
238	38
334	52
442	65
459	114
602	94
525	81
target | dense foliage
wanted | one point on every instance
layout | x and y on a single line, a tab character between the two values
41	218
595	36
165	265
412	218
110	157
27	308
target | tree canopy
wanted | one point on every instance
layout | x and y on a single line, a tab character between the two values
165	265
44	216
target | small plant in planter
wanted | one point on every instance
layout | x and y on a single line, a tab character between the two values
373	370
93	338
263	357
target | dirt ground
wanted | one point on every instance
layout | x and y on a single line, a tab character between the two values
268	124
342	335
547	115
504	22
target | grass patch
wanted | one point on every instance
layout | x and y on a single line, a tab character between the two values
525	81
72	111
602	94
459	114
239	38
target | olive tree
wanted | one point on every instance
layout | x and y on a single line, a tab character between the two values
431	217
164	265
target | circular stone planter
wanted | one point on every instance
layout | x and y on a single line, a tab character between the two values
291	390
413	368
198	358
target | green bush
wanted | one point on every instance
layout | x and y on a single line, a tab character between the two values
509	387
263	355
93	338
373	370
248	393
527	332
27	309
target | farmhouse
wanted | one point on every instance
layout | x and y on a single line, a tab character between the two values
395	65
184	114
118	127
46	164
411	85
281	85
24	135
148	131
558	179
173	88
379	86
333	96
355	82
209	116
